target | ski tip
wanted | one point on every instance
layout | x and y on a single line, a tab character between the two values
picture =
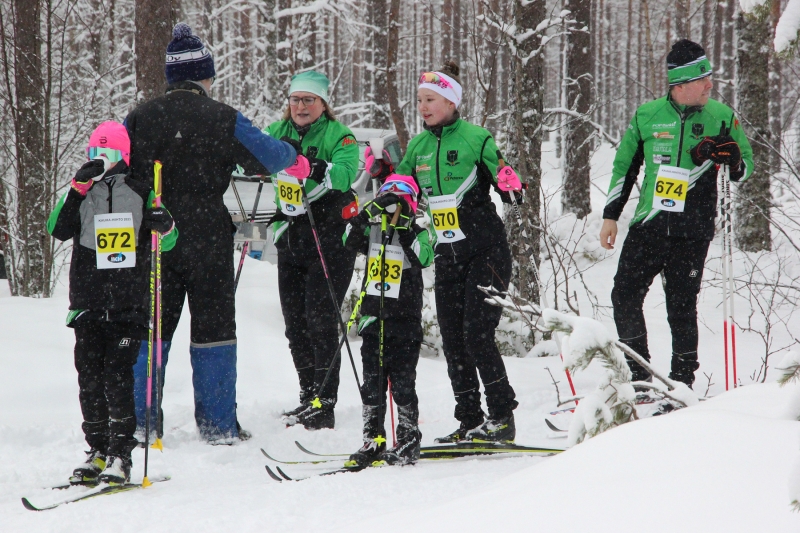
553	427
146	482
272	474
282	473
28	505
158	445
303	448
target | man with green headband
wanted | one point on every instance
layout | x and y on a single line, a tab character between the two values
682	139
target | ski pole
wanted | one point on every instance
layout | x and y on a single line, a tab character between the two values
154	323
159	430
386	237
532	260
729	246
336	306
724	265
391	411
252	219
373	271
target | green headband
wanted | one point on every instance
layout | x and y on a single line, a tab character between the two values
699	68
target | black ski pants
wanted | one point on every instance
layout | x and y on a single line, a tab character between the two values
312	322
200	267
644	255
467	324
400	358
104	356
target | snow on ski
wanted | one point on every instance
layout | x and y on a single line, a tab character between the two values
103	490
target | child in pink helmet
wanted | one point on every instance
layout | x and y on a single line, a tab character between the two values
109	217
406	254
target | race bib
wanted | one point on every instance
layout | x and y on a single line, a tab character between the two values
444	211
392	270
115	239
290	193
672	185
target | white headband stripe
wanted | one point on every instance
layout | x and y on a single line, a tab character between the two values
190	55
452	93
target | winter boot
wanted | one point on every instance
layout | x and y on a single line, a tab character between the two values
374	438
500	430
409	438
314	418
290	417
461	433
683	367
88	471
117	471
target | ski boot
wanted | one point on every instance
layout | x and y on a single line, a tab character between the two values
117	471
409	439
501	430
88	471
683	367
314	418
374	438
459	434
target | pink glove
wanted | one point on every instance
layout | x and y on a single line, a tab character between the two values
82	187
373	166
301	168
507	180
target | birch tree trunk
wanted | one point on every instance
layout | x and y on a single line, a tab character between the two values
753	198
577	139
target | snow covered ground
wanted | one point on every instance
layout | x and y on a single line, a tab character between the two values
725	465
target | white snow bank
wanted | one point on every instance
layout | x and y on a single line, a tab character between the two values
788	26
713	467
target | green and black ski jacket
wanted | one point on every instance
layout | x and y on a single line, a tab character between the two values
662	132
460	159
331	199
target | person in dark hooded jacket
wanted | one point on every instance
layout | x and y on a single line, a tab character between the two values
200	142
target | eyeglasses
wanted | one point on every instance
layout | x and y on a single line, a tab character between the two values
109	153
307	100
398	187
434	78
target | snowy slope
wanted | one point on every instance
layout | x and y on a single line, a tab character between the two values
722	466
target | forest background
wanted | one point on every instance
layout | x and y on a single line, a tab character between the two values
572	71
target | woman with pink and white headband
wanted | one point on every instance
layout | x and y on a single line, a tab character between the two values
455	163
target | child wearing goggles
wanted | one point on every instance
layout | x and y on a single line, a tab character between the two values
408	252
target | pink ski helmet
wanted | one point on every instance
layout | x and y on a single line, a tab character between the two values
404	187
106	138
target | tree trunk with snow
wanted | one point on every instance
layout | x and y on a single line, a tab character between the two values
380	98
154	22
29	202
525	142
391	74
575	197
753	199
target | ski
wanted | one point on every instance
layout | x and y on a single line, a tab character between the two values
100	490
309	452
309	462
286	477
462	449
553	426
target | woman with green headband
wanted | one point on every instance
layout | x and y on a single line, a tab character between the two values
320	180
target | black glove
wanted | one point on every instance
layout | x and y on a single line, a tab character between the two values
378	205
407	216
319	168
721	149
295	144
158	219
90	170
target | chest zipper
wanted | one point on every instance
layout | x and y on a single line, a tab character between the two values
438	146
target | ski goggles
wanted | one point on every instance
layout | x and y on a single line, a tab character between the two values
112	155
398	187
435	79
